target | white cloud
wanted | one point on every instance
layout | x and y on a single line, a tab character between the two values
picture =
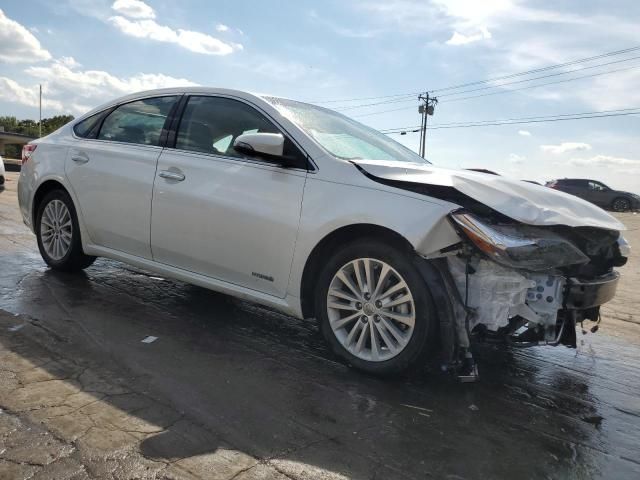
471	18
12	91
605	161
565	147
190	40
67	88
17	43
221	27
621	91
460	39
516	159
133	9
472	11
340	29
524	133
69	62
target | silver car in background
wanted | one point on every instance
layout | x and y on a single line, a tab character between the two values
304	210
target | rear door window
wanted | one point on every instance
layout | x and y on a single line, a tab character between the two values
139	122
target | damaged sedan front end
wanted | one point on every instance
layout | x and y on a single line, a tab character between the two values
527	286
529	266
532	284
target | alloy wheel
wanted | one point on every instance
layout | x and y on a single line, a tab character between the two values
621	205
56	229
371	309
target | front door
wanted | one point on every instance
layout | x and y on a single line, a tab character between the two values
218	213
599	194
112	175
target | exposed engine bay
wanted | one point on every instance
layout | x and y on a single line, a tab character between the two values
529	286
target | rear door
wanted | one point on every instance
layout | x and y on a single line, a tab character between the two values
219	213
112	171
579	188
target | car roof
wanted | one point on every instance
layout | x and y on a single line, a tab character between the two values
576	180
178	91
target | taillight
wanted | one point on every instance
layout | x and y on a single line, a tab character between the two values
27	151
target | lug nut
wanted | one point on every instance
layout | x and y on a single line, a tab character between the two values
367	296
379	304
363	319
359	306
376	318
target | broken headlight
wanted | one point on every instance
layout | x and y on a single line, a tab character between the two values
519	246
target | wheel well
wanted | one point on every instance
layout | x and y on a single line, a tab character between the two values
334	240
42	191
620	197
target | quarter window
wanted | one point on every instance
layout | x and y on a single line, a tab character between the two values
88	128
211	124
138	122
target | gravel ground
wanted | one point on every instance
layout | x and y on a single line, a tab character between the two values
230	390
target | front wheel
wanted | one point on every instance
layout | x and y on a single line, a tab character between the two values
621	205
374	308
58	233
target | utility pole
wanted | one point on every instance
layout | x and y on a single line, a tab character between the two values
426	108
40	114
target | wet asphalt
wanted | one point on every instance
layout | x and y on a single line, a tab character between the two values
266	384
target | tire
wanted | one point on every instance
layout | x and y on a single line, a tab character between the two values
66	258
414	350
621	204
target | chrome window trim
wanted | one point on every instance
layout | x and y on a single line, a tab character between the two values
226	158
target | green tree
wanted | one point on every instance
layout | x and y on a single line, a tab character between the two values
31	128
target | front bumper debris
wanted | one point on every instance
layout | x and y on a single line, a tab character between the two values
583	294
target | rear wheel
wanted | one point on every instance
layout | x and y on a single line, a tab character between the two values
374	308
58	233
621	204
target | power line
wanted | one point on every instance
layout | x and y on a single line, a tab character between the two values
617	110
493	79
541	77
436	127
500	92
542	69
542	84
398	100
525	120
346	100
383	111
403	100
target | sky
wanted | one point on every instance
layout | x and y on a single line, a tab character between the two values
87	52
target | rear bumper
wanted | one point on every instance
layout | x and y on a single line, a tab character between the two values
583	294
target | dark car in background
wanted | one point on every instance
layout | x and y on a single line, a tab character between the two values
598	193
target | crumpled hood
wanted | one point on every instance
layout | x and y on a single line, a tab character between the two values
525	202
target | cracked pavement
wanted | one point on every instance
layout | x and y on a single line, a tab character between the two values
230	390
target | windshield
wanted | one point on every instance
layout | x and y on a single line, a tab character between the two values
342	137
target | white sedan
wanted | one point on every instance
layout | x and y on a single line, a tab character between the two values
304	210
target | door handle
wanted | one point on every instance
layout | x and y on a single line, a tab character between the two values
169	175
80	158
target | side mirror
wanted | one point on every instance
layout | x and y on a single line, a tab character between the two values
267	144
